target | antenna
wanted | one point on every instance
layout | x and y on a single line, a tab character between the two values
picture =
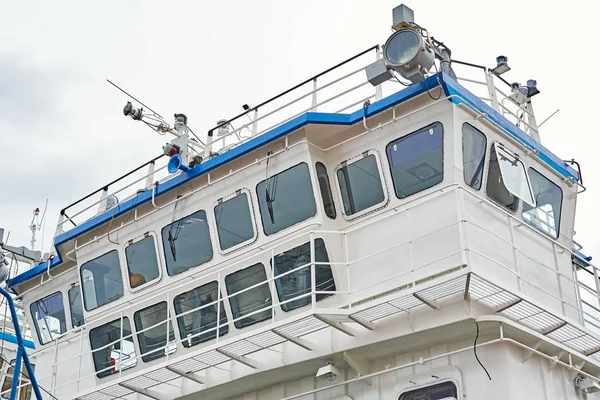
155	121
551	115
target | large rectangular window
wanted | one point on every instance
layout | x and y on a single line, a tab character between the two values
250	301
286	199
297	283
360	185
76	306
548	199
234	221
153	322
187	243
474	145
326	194
49	317
440	391
416	160
142	263
102	280
201	325
112	351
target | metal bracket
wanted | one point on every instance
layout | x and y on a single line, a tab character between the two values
241	359
153	394
188	375
357	364
336	325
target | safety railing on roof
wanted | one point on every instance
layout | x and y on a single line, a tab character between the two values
586	304
502	96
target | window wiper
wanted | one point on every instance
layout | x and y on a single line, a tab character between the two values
270	205
172	246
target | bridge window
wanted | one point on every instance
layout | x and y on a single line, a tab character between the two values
548	199
440	391
102	280
49	317
142	263
495	188
249	303
325	187
112	347
286	199
151	325
200	325
234	221
360	185
76	306
508	178
474	145
416	160
298	283
187	243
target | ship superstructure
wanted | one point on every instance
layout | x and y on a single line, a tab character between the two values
385	229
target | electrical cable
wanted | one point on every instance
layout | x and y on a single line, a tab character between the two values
475	351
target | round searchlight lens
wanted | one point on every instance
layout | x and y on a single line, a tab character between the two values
402	47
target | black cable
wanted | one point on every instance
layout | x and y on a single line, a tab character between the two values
196	136
475	352
28	378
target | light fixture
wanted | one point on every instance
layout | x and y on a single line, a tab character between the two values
501	66
407	53
223	127
329	372
131	111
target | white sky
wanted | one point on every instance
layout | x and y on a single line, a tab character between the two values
63	135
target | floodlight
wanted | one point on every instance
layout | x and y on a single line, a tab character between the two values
407	53
501	66
131	111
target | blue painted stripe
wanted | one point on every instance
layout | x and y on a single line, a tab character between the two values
452	87
449	85
7	337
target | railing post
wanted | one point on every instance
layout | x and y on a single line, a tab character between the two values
121	346
218	305
54	367
313	275
489	79
103	195
347	262
272	286
14	389
255	122
558	275
314	96
378	88
515	254
80	357
531	121
596	279
150	177
168	322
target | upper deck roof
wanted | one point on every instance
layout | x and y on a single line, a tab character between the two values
453	90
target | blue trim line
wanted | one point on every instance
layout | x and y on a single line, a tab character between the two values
7	337
450	87
581	258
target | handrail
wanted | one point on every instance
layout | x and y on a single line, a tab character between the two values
376	47
105	187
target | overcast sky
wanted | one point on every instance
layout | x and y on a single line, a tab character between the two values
62	133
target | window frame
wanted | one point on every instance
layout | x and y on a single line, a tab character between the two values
386	197
121	339
562	196
35	321
158	261
165	249
73	286
389	164
430	384
247	242
312	186
330	193
82	286
499	146
150	355
239	320
484	159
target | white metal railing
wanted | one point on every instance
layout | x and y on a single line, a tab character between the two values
341	88
588	318
504	101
